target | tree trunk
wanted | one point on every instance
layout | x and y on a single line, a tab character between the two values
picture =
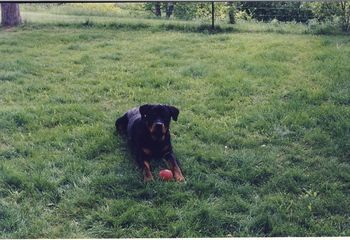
158	10
10	15
231	13
345	18
169	9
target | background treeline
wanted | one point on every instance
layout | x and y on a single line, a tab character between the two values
337	13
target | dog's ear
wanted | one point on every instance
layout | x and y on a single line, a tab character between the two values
174	112
144	110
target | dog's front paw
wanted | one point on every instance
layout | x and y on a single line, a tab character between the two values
179	177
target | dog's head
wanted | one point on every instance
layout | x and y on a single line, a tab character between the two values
157	119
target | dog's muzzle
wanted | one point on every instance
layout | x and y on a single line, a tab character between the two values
158	130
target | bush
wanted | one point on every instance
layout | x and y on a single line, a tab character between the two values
243	15
325	27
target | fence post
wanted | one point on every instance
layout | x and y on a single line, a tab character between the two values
212	15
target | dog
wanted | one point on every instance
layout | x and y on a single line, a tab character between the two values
147	131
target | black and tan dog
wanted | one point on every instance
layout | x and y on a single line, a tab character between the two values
147	130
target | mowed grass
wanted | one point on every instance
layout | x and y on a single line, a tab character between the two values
263	133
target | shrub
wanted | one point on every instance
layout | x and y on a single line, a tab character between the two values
322	27
243	15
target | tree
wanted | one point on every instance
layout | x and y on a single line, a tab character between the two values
345	15
169	9
338	12
10	15
231	13
158	10
154	7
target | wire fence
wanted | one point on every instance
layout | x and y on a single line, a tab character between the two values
282	11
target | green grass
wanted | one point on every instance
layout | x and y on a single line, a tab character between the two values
263	131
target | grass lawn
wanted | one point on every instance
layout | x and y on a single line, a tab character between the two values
263	132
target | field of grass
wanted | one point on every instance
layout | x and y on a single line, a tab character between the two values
263	132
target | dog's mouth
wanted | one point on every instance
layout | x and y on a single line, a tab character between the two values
158	130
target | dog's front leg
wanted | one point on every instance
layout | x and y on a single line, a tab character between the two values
143	162
147	171
175	167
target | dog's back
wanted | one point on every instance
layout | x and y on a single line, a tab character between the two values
133	116
125	123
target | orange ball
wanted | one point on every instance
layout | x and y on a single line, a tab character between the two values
166	175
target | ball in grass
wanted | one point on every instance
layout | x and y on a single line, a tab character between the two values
166	175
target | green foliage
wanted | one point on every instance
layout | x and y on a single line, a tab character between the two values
325	10
332	13
243	15
150	6
322	27
263	130
190	11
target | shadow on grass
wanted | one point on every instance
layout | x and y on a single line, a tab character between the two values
201	28
187	27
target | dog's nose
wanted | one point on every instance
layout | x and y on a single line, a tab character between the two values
158	129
